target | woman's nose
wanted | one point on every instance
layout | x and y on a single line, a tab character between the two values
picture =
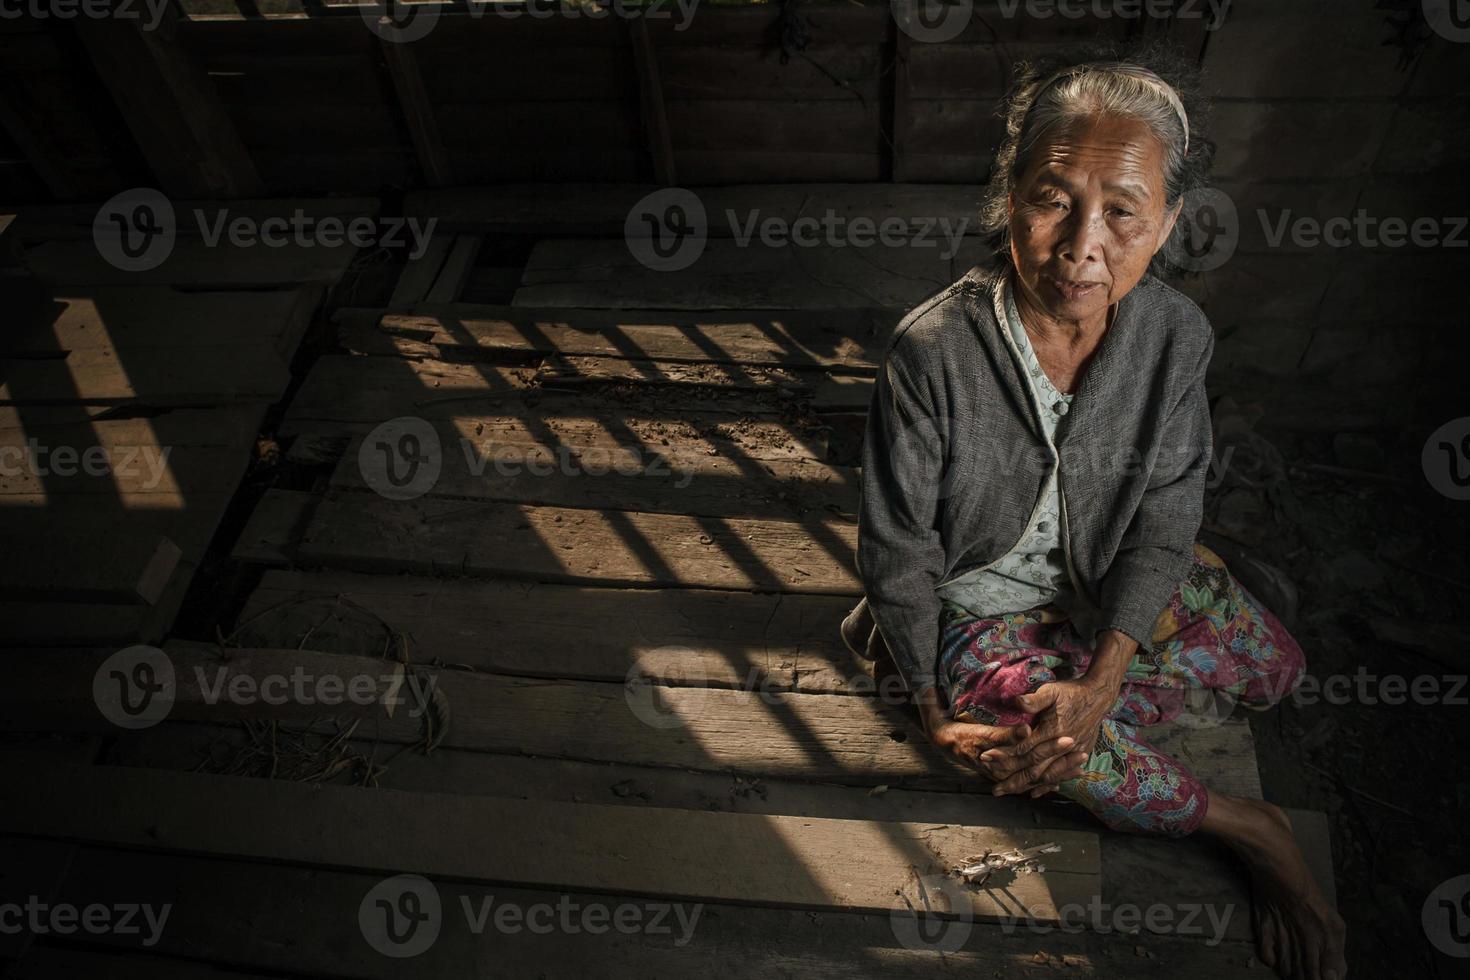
1082	236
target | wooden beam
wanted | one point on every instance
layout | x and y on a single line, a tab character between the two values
419	274
457	270
651	101
418	112
171	106
773	861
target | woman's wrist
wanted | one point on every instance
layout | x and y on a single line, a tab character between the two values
932	710
1112	653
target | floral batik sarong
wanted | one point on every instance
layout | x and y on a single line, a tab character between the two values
1214	645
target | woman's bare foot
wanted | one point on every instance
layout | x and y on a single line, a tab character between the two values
1298	932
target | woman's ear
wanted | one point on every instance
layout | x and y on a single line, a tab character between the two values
1170	218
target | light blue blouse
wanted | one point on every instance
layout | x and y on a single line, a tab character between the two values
1034	572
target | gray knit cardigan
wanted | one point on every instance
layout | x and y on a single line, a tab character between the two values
955	458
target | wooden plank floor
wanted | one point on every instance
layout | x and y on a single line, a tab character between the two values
130	406
621	581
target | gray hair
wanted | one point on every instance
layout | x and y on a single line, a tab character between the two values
1156	88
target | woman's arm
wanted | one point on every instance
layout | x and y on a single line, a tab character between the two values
1155	553
900	556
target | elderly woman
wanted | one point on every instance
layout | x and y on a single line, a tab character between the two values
1033	480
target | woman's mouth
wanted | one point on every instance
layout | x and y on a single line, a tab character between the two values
1074	289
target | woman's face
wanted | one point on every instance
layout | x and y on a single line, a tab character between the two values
1087	215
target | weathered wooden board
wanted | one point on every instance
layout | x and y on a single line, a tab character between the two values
189	520
458	265
192	262
825	391
593	272
364	531
28	623
274	528
153	376
70	566
576	371
752	640
343	395
1136	870
128	318
329	406
656	479
602	209
57	963
797	862
269	918
836	738
51	222
419	273
853	339
53	452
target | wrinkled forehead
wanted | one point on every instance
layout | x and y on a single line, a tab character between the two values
1112	151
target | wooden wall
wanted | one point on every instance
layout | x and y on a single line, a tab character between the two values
320	103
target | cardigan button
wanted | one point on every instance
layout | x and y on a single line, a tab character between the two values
1060	407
